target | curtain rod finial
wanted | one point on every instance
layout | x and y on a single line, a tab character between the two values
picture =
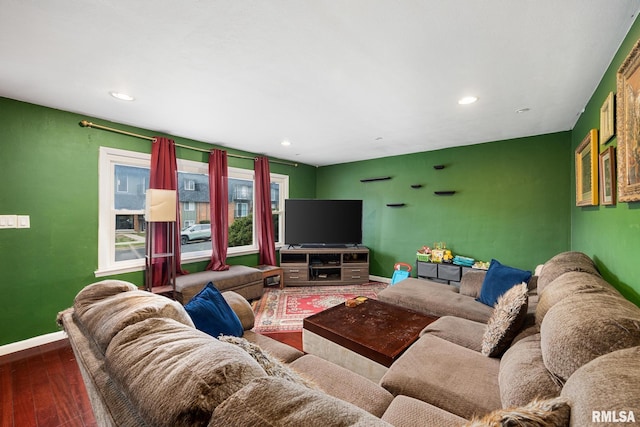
85	124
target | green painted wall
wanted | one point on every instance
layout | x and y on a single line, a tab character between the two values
49	170
609	234
511	201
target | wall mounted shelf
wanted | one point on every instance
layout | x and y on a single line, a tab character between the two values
395	205
444	193
438	167
416	185
380	178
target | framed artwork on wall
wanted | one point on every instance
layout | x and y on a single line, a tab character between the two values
628	124
608	177
587	170
607	122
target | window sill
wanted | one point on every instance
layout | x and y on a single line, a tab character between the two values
139	266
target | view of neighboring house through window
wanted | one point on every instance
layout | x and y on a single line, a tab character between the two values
124	178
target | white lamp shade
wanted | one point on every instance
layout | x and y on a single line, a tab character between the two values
160	205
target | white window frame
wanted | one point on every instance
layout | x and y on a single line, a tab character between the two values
189	206
109	157
189	185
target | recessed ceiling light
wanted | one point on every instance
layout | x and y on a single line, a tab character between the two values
468	100
523	110
121	96
285	143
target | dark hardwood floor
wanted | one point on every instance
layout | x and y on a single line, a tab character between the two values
42	386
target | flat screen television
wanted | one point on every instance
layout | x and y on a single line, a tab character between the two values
321	222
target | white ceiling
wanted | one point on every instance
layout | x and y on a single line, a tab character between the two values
342	80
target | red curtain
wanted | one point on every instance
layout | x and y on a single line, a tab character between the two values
218	203
263	217
164	176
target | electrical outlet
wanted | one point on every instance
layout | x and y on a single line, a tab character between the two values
23	221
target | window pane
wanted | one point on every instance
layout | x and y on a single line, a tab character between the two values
130	237
240	212
129	197
276	226
193	195
131	187
275	197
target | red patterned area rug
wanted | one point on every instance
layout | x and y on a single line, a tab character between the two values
282	310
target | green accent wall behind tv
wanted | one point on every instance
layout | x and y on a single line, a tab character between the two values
510	201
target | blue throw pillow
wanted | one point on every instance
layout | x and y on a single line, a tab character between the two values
212	314
498	280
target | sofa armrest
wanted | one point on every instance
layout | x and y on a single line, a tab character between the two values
241	307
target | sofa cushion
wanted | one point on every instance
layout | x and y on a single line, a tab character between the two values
506	321
471	283
343	384
211	313
563	263
523	375
282	351
434	299
99	291
457	330
271	365
407	411
582	327
446	375
174	374
606	386
538	413
499	279
106	317
270	401
568	284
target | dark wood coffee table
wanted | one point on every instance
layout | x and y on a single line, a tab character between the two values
366	338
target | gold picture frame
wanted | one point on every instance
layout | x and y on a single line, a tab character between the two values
628	124
587	170
608	177
607	119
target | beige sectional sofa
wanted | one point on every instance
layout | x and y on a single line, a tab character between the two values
144	363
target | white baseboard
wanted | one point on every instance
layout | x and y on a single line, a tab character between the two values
380	279
32	342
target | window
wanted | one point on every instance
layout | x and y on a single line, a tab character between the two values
124	177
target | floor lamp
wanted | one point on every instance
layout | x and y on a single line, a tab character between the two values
161	207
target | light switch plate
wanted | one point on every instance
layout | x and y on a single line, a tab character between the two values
23	221
8	221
